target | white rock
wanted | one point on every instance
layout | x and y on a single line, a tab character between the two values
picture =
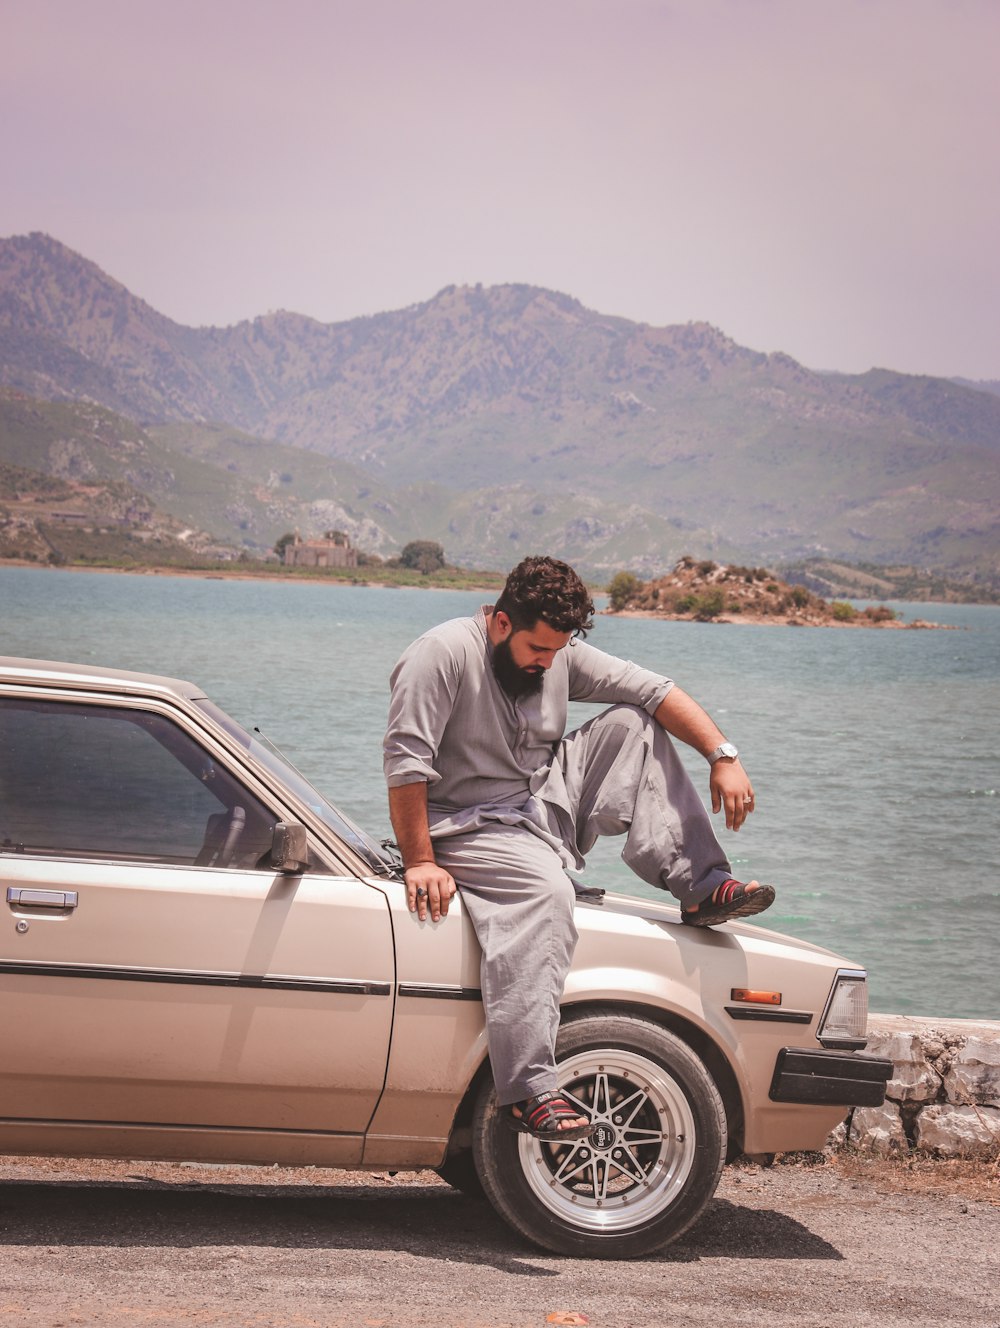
974	1076
962	1131
913	1079
878	1129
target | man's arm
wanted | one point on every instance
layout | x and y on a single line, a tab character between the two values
408	813
683	718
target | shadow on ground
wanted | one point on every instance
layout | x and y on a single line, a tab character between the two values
425	1221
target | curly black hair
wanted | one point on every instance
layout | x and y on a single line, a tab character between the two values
548	589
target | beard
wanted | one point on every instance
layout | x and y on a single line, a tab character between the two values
515	680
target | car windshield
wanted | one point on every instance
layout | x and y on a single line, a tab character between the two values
266	754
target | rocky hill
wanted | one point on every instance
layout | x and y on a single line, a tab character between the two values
511	418
705	591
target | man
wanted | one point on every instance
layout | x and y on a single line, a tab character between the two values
485	791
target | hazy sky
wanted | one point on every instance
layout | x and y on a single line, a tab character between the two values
813	176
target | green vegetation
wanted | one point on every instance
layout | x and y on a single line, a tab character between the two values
866	580
622	587
705	606
424	556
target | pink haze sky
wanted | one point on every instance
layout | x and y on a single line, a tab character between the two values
813	176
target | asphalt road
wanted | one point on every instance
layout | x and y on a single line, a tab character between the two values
151	1244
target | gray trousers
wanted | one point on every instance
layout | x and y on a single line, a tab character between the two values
617	774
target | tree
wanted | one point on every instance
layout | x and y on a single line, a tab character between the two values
279	545
623	587
424	556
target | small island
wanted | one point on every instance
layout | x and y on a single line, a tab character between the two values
707	591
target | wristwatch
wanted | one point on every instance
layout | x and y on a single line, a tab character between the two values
727	751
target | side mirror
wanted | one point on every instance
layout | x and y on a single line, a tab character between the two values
289	850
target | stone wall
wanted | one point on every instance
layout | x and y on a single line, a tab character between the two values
944	1096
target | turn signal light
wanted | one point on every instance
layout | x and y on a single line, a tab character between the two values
748	997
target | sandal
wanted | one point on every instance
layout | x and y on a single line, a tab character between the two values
540	1116
732	899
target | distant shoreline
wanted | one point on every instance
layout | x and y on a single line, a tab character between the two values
377	583
771	620
226	574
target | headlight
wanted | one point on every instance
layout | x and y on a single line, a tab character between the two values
845	1019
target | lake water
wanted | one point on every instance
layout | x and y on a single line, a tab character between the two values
875	755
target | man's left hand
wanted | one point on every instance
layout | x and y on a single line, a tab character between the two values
731	789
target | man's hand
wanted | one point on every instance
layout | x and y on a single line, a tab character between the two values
429	889
683	718
731	789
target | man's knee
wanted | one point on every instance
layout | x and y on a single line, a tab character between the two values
631	717
620	725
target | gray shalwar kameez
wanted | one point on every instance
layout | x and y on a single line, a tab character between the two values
513	804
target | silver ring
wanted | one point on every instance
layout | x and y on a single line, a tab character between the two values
421	892
747	801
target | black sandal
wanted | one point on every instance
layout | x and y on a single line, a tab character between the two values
730	900
540	1116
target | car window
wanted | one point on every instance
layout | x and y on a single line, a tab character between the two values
98	781
266	754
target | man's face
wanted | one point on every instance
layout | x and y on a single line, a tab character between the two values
522	658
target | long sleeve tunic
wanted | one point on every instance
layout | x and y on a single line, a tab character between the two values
482	753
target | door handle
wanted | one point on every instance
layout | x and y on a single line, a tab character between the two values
19	895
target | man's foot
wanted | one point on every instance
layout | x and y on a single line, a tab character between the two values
548	1116
732	899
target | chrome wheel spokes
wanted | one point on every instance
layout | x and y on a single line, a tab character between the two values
638	1155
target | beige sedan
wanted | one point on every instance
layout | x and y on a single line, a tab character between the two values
202	959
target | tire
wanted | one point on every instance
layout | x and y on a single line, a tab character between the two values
646	1173
459	1170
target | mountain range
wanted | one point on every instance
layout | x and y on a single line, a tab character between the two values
500	421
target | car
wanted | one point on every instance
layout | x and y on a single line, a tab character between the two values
204	960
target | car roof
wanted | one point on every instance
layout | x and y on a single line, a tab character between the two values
92	677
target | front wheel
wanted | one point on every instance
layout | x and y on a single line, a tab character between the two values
650	1165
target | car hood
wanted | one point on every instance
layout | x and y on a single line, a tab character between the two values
649	910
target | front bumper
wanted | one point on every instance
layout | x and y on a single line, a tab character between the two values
829	1078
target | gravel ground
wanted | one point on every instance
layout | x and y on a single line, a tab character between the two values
803	1243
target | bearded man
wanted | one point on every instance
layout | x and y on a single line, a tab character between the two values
489	795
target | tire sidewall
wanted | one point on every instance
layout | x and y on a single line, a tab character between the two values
499	1163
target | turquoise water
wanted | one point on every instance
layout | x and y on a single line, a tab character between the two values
875	755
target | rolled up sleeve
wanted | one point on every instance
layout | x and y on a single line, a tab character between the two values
424	685
596	676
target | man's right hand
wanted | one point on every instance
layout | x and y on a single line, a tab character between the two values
429	889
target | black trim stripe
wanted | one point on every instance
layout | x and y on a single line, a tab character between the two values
329	986
439	991
769	1016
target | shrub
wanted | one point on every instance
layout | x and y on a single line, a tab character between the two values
424	556
708	606
880	613
623	587
842	611
707	567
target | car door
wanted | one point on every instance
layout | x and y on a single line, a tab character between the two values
154	967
